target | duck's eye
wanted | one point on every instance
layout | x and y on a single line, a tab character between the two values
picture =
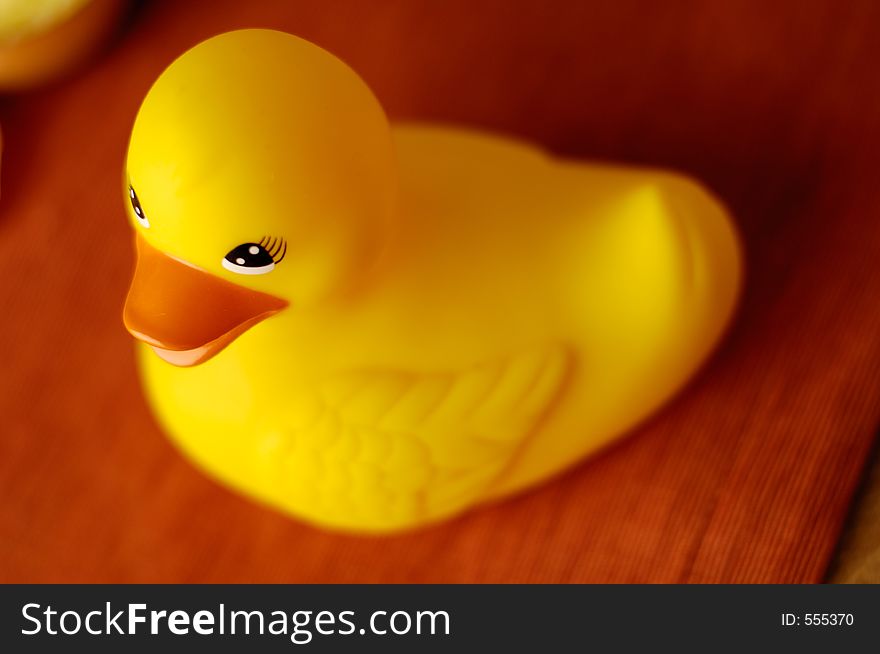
255	258
138	210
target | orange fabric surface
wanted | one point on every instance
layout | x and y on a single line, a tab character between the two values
745	477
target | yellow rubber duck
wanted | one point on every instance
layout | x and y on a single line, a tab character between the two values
43	39
377	327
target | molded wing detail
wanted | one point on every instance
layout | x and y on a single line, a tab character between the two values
393	446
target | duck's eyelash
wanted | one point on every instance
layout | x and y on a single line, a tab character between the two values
276	247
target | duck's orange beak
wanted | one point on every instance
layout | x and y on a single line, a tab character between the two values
186	314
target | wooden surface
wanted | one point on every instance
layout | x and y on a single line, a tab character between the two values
745	477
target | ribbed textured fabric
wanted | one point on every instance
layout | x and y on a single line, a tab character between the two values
745	477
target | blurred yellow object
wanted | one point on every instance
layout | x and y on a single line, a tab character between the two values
42	39
375	327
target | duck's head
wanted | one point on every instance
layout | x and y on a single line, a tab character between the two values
260	179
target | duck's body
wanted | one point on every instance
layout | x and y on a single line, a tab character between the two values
527	311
